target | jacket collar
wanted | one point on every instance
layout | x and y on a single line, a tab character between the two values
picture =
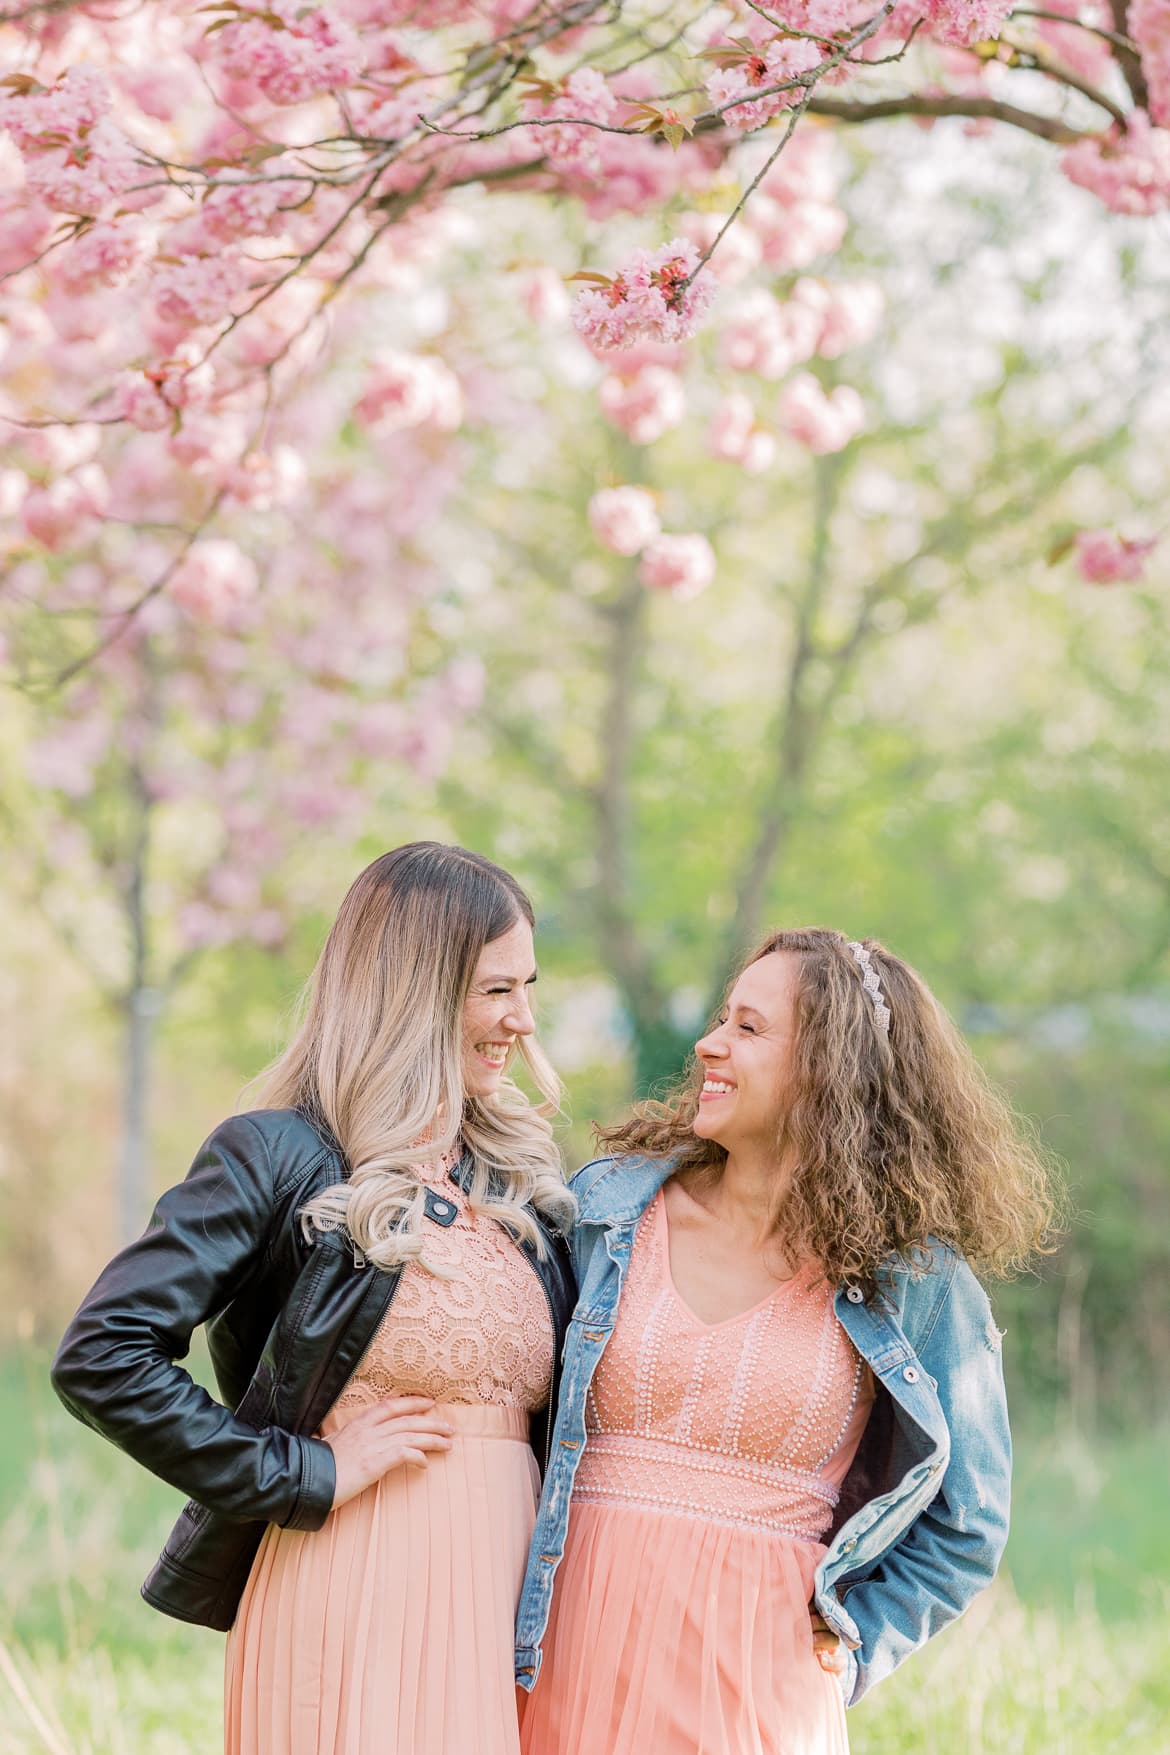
617	1191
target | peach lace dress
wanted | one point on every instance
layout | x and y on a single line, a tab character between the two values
389	1630
712	1464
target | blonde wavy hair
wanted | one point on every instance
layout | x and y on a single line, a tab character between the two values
896	1139
377	1057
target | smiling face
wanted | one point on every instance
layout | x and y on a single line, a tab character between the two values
747	1058
497	1011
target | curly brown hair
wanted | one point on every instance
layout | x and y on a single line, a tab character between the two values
896	1138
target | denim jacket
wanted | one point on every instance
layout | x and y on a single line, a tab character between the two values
923	1514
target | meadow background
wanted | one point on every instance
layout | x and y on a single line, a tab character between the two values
899	709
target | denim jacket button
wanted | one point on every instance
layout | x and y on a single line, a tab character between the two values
910	1374
855	1295
848	1547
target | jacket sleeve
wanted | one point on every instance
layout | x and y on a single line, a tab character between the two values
952	1550
116	1366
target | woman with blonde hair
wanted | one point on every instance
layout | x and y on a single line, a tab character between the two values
781	1457
378	1254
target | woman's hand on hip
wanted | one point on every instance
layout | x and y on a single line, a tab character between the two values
827	1647
403	1429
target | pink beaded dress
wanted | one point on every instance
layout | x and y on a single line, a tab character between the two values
389	1631
714	1455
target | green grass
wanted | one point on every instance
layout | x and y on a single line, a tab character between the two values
1065	1656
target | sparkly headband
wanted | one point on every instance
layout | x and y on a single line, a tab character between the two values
869	980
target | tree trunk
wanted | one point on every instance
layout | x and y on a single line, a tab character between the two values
139	1005
139	1010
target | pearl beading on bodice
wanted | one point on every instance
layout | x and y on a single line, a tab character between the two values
738	1421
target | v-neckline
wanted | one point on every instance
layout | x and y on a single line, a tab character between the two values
661	1221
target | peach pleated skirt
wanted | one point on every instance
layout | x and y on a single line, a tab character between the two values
679	1636
389	1631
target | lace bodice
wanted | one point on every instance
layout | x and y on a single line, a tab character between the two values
751	1421
483	1335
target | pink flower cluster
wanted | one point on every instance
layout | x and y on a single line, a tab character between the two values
411	390
767	337
1129	170
66	512
76	159
793	213
198	289
150	400
964	21
776	63
582	98
735	437
644	404
306	51
624	519
1149	26
653	298
1106	559
680	566
213	581
109	253
819	421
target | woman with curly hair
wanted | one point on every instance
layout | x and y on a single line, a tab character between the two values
781	1458
378	1254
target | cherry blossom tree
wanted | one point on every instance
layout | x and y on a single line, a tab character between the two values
192	195
252	315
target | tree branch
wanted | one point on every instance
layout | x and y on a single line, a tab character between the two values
991	109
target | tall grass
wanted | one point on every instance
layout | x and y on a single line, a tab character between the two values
1066	1655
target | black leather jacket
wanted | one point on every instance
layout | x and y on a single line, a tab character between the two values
288	1322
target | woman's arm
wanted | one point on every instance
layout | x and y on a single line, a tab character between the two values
115	1368
951	1551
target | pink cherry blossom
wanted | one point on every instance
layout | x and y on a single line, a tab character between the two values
199	289
213	581
644	404
1080	51
776	63
244	209
151	399
209	443
768	338
308	50
1105	558
583	97
1149	26
820	422
1129	169
264	479
652	297
411	390
66	512
681	566
76	158
108	254
24	231
735	437
850	311
964	21
624	519
794	234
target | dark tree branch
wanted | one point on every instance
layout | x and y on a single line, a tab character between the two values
878	109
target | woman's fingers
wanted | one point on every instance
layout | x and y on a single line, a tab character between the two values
403	1430
827	1647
